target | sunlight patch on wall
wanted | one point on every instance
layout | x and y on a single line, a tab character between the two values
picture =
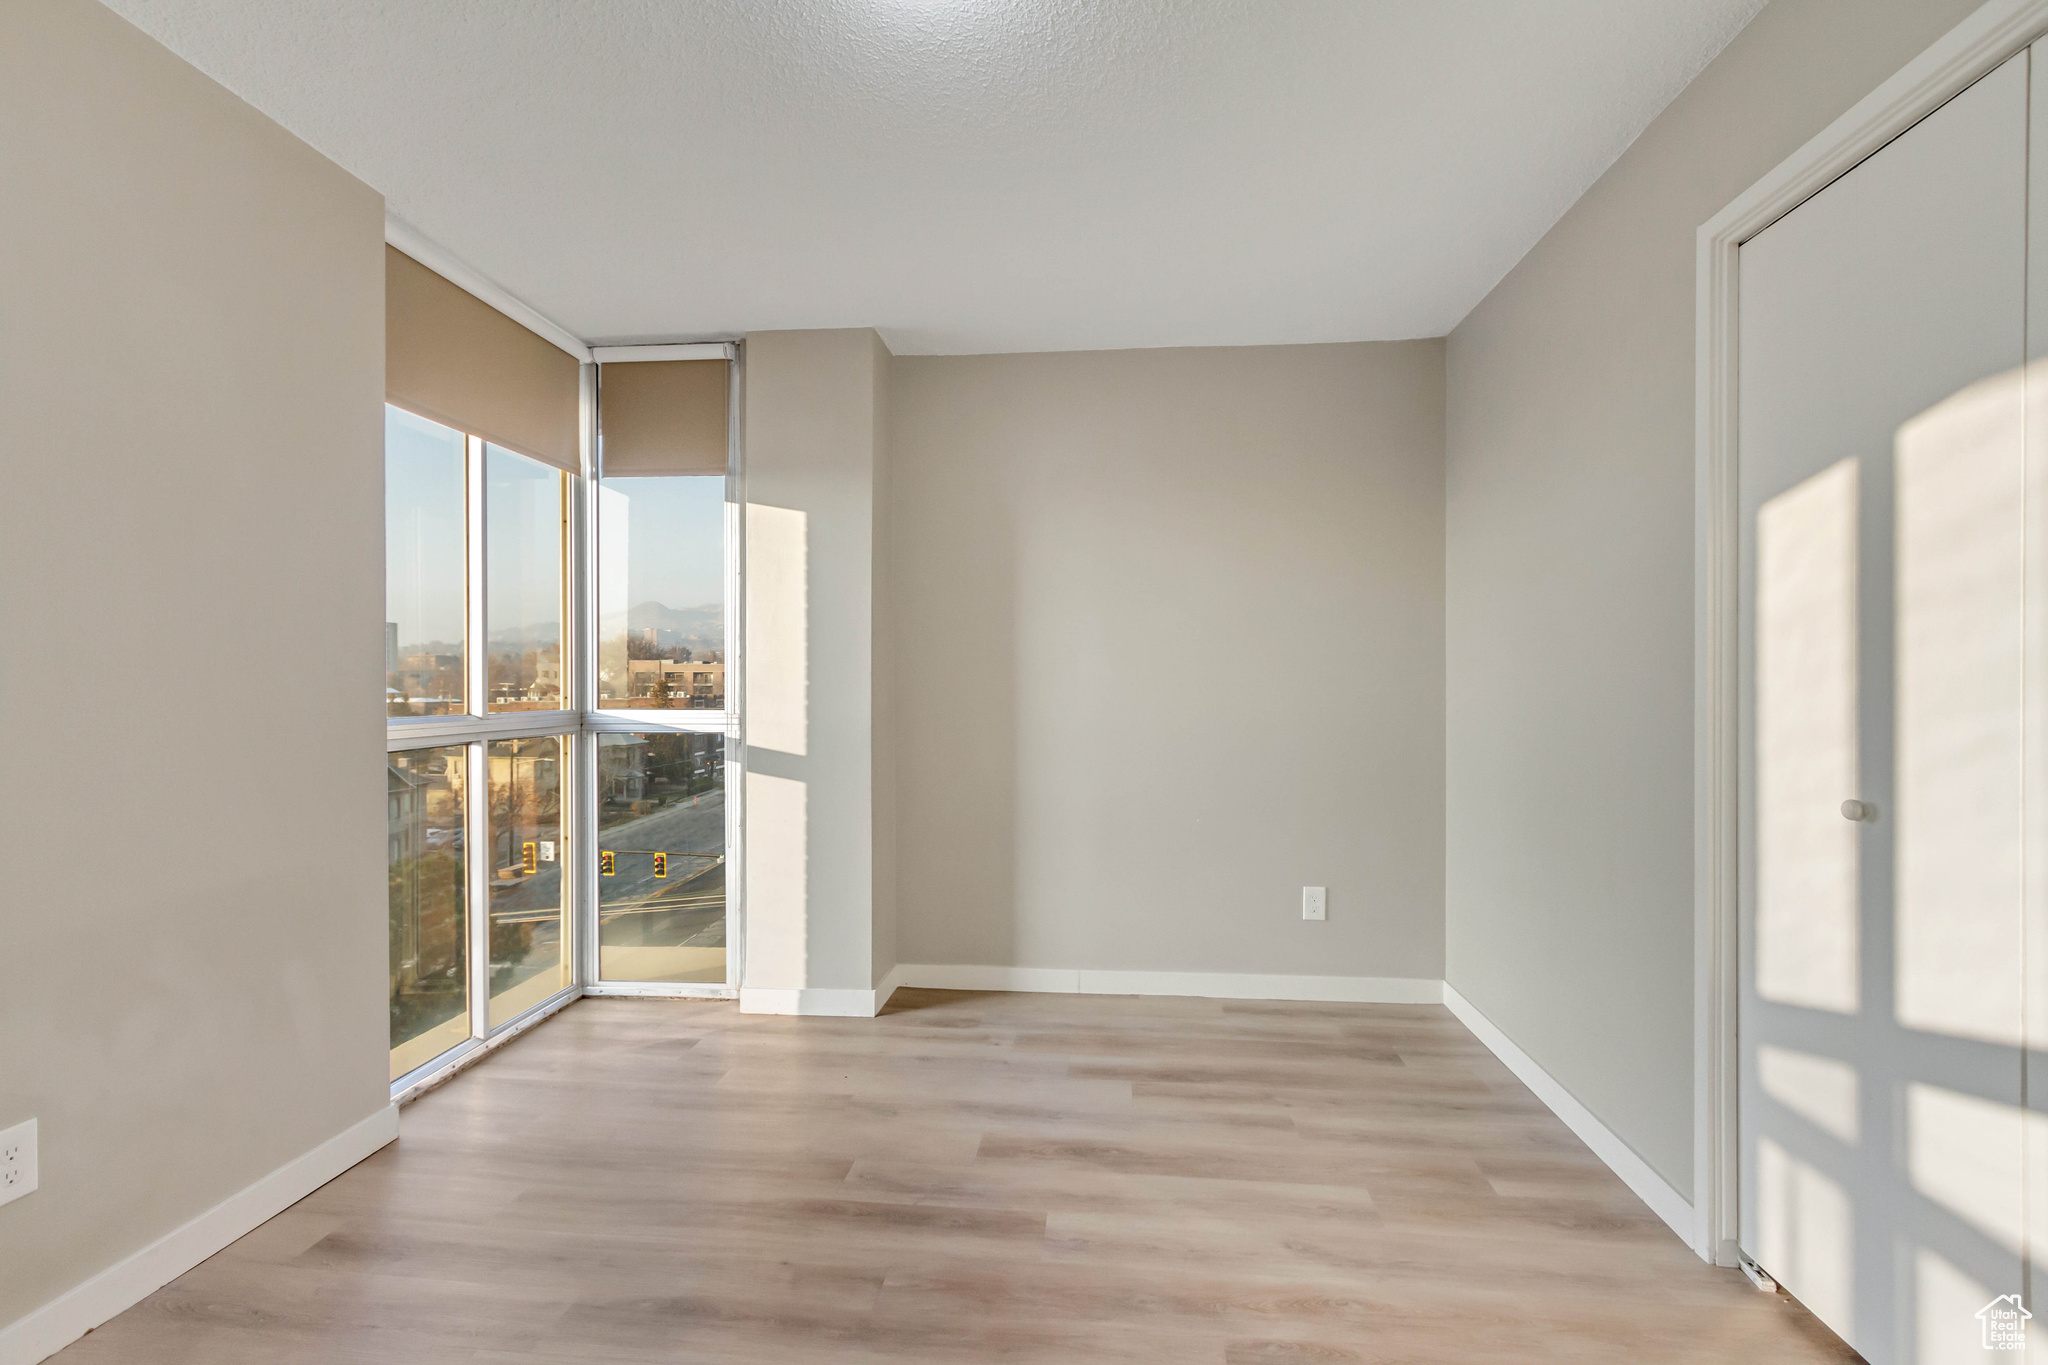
1945	1306
1965	1154
778	882
1807	874
1961	653
778	629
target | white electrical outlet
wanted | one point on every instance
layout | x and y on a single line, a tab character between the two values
18	1161
1315	902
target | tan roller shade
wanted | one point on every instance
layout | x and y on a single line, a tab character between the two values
450	356
663	416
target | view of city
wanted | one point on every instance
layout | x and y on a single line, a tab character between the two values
426	573
661	540
660	796
429	929
661	831
426	844
527	855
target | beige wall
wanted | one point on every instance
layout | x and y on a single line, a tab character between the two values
814	453
882	631
1169	647
192	983
1570	580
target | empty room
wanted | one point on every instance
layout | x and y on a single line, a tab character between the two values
1220	682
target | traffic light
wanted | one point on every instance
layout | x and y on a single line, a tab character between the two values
606	867
529	857
661	864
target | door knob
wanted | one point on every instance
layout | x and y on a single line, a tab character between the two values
1859	810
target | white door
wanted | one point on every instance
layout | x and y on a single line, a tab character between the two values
1882	469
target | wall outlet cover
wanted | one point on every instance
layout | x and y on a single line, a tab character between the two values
18	1161
1315	902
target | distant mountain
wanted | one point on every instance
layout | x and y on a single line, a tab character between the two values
695	628
709	617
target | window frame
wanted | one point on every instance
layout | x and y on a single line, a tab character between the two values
580	720
728	722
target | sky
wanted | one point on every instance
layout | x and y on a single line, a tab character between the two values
423	537
523	545
661	539
674	551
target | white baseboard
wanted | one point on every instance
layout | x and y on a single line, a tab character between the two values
1664	1201
966	977
823	1000
121	1286
888	986
1381	990
1377	990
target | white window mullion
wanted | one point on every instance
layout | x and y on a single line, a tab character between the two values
478	867
478	661
477	652
736	674
579	803
584	852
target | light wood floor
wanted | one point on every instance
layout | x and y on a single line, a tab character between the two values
971	1177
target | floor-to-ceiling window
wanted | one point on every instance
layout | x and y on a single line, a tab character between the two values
666	521
558	719
480	735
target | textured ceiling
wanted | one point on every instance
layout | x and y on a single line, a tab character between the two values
970	175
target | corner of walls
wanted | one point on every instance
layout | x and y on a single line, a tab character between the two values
820	776
1641	1178
1569	818
882	961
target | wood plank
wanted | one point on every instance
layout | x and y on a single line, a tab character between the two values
973	1176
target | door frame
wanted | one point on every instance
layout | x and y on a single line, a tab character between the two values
1972	49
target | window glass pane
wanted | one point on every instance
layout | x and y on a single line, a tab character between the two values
526	861
661	831
425	566
429	930
661	592
524	505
